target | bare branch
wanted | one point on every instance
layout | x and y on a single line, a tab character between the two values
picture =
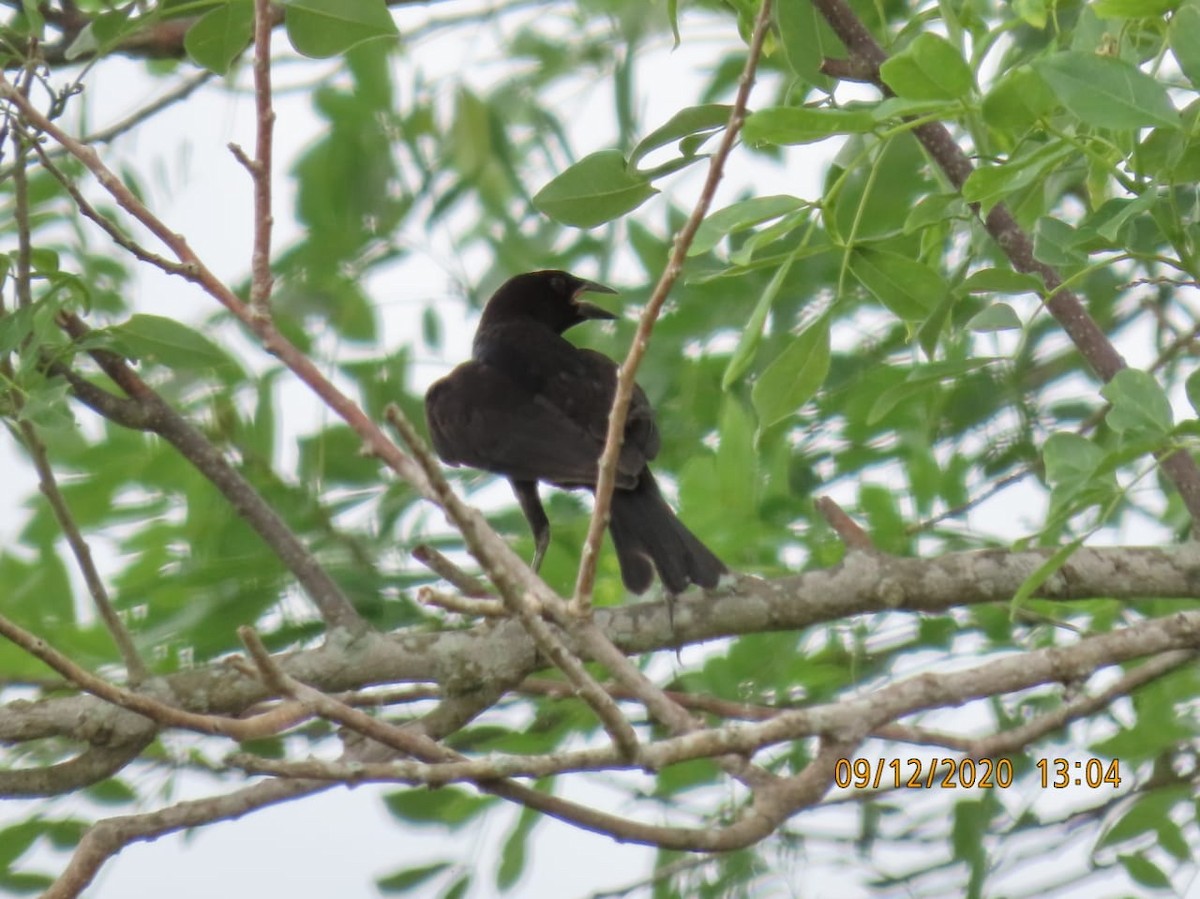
94	764
109	836
627	374
197	272
463	605
1020	737
150	412
261	279
142	704
847	529
444	568
134	665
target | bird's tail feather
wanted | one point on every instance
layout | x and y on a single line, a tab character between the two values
648	536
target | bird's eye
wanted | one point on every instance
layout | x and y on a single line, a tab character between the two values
559	284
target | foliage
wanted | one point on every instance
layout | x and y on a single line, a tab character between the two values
868	340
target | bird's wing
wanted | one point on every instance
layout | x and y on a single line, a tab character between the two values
584	389
478	416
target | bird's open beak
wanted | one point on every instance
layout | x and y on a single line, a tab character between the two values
590	310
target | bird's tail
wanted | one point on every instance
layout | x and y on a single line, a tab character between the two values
646	533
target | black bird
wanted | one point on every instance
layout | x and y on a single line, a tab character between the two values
533	407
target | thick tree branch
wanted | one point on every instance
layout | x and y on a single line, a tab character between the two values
465	661
850	719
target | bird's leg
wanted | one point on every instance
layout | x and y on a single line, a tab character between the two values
531	505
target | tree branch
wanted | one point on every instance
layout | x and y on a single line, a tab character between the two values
134	666
153	413
1064	304
627	373
261	279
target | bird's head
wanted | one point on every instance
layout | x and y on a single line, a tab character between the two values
552	298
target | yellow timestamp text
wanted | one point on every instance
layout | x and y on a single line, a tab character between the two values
965	773
923	774
1058	774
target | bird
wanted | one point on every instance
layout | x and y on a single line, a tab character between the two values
533	407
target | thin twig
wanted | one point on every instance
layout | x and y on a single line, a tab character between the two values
194	269
24	282
48	484
107	225
109	133
467	584
107	837
261	280
462	605
847	529
147	410
627	374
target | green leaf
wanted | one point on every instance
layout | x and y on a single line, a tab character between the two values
112	791
324	28
1139	404
934	210
673	19
988	185
692	120
1144	871
1183	35
16	839
747	347
1109	220
1057	243
155	338
405	880
46	403
807	41
739	216
20	883
894	109
803	124
515	852
1041	574
101	33
1132	9
1070	459
1000	280
997	317
220	35
930	68
1192	387
448	806
1108	92
597	189
919	379
1032	12
1144	815
793	377
1018	100
910	289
